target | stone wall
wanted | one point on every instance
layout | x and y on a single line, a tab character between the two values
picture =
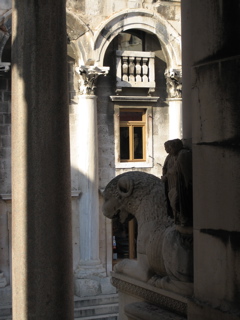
5	131
5	178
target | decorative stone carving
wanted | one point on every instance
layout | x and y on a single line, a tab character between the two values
174	83
148	4
158	297
88	76
4	66
164	254
146	311
4	36
135	69
177	175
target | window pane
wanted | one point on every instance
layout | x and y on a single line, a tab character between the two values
138	142
130	116
124	143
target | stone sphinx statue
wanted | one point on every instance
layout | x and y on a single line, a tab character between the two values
164	255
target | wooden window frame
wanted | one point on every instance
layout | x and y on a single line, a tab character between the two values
139	163
131	125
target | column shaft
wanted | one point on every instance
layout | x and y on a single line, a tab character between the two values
186	71
175	118
41	227
88	167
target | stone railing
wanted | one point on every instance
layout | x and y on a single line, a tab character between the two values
135	69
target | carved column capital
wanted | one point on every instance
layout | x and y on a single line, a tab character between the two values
5	34
174	82
88	76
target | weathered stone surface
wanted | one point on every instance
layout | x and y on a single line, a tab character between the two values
106	286
212	179
3	280
200	311
86	287
216	115
219	255
75	27
147	311
5	296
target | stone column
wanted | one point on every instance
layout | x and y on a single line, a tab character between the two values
186	70
90	271
175	118
88	170
214	86
41	226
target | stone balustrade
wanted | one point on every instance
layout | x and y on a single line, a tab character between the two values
135	69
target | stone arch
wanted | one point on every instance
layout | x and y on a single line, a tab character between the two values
144	20
76	28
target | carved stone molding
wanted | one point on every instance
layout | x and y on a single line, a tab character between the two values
159	297
134	98
174	83
88	76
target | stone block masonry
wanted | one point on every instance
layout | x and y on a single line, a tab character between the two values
5	133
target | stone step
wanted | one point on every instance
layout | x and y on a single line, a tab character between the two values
97	310
95	300
102	307
113	316
5	311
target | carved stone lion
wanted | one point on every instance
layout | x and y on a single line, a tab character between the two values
164	255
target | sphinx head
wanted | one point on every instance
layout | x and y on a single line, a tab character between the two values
117	196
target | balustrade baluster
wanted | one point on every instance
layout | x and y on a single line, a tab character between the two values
131	69
145	69
125	69
138	69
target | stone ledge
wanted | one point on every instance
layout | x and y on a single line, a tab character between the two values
134	98
6	196
159	297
